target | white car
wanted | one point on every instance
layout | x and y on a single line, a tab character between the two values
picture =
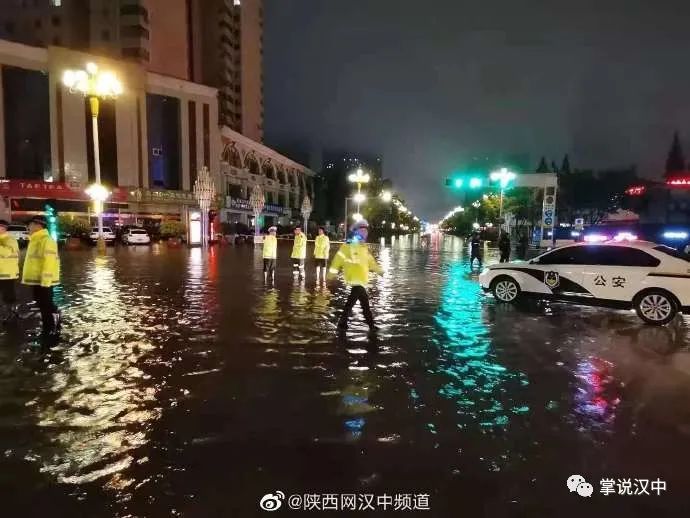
108	235
653	279
19	232
136	236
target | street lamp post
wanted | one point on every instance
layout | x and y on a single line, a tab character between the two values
359	177
204	192
306	211
257	201
95	85
504	177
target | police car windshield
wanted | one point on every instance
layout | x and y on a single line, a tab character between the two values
672	252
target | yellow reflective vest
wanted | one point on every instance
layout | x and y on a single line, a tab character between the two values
322	247
299	249
270	247
9	258
41	266
355	260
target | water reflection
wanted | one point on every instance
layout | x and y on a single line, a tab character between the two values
482	388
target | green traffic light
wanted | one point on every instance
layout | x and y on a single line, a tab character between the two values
458	183
475	183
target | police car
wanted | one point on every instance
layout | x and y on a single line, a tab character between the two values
653	279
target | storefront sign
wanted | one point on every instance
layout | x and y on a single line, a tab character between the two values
12	188
272	208
237	204
161	196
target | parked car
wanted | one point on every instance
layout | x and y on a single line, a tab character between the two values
20	233
136	236
650	278
108	235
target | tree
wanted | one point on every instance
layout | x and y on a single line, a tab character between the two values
565	167
554	167
525	204
543	168
675	163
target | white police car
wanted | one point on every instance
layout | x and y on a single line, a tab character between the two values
653	279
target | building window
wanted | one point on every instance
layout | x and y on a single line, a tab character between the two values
134	31
136	52
163	125
27	124
56	3
207	135
192	141
107	138
105	35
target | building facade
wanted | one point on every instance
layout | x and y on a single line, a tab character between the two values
218	43
246	163
154	138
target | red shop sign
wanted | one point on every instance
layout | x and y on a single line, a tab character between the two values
55	190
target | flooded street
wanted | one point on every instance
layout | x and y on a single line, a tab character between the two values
184	386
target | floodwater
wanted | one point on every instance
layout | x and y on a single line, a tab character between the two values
183	386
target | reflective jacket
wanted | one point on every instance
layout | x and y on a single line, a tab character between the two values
299	249
355	260
9	258
322	247
41	266
270	247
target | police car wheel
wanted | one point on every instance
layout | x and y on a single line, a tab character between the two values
505	289
656	307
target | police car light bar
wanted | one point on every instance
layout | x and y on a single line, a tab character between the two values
675	235
596	238
625	236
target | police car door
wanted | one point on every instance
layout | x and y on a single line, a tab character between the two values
616	272
561	272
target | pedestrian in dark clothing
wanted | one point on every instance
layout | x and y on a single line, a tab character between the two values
504	247
524	244
476	249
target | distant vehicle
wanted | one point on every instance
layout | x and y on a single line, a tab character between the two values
20	233
136	236
108	235
653	279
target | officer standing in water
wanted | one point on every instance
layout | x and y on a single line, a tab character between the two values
322	249
355	260
299	253
270	254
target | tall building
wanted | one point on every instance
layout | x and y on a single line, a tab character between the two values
218	43
227	53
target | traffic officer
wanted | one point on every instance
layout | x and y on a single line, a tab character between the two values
270	253
299	253
476	251
322	250
9	271
504	247
355	260
42	273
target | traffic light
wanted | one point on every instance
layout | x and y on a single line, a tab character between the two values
51	218
465	181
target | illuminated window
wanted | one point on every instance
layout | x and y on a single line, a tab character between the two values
56	3
236	2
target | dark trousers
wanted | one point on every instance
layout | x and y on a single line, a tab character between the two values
357	293
476	254
269	265
9	296
505	256
44	300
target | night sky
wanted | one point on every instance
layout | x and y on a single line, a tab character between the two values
431	84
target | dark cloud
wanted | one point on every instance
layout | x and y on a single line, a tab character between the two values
431	84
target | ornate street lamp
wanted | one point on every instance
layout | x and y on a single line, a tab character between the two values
205	193
257	201
306	211
95	85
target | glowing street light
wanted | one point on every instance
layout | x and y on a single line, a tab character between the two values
357	217
386	196
504	177
95	85
360	197
359	177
